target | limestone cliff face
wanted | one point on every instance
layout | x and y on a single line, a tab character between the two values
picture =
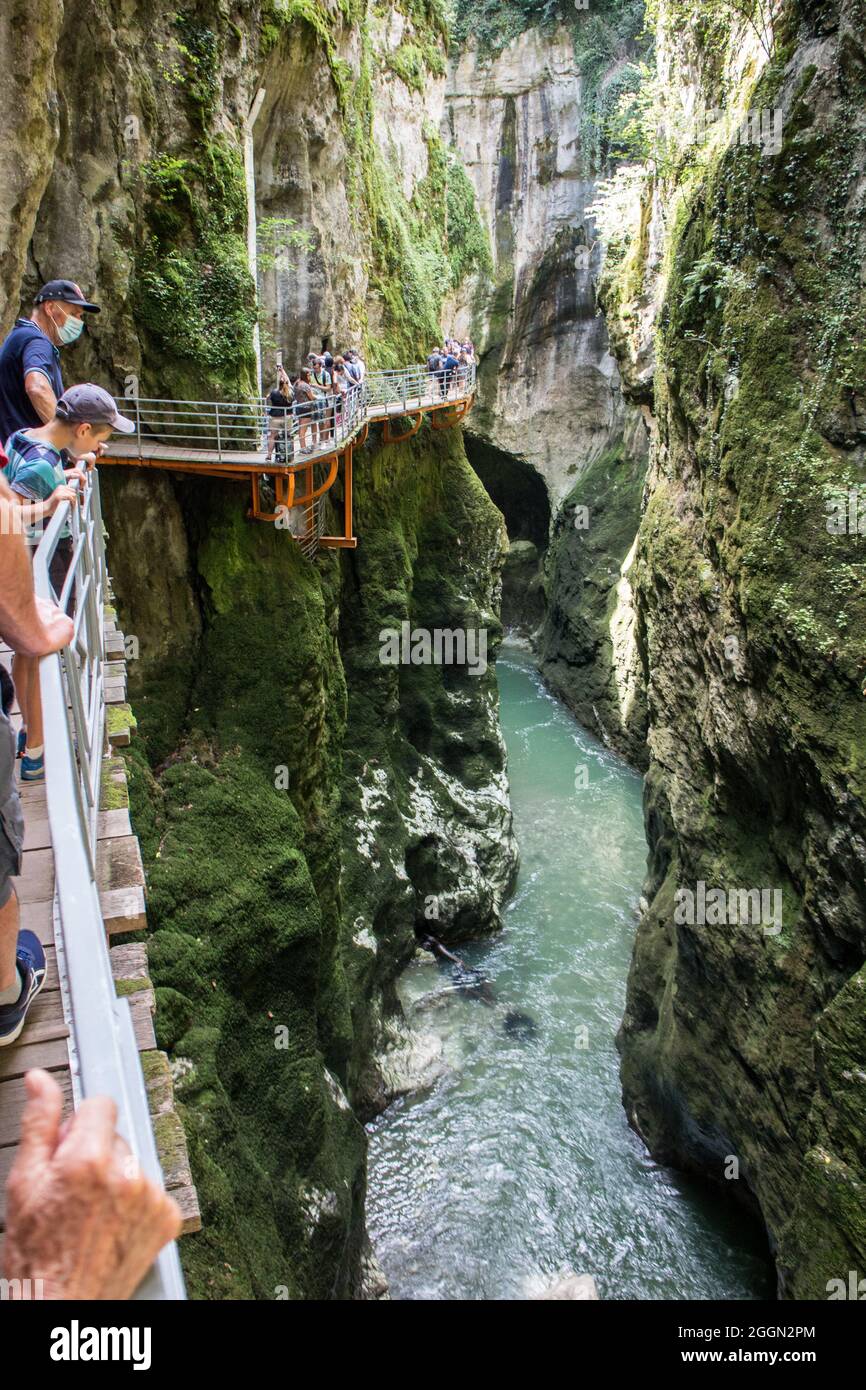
549	384
301	805
560	449
748	1041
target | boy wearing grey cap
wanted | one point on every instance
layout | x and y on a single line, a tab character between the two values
39	476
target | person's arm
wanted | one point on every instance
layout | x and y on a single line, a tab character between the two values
80	1215
42	396
30	625
33	510
38	364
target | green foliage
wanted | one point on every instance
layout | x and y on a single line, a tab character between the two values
493	24
194	296
276	238
200	51
421	250
414	63
468	241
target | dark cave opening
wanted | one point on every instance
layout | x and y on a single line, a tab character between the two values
516	488
520	493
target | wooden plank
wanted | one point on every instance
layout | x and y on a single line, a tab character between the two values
187	1200
37	1033
46	1008
52	980
158	1082
36	883
7	1158
123	909
118	863
39	918
33	796
111	825
13	1098
142	1006
129	962
172	1150
51	1056
114	785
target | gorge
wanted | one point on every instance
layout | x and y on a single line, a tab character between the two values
670	319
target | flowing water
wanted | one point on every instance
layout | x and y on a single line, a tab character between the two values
518	1164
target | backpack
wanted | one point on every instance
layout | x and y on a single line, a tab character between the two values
434	362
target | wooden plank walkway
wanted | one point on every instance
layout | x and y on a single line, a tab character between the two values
45	1041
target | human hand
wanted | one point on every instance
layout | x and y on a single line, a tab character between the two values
80	1215
55	631
62	493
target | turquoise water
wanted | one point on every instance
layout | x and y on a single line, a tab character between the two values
518	1163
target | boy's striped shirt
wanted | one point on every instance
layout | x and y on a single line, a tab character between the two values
34	470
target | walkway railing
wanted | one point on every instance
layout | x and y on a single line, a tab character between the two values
250	431
103	1052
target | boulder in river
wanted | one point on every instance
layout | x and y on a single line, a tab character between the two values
569	1285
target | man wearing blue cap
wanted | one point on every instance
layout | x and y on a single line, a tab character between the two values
30	379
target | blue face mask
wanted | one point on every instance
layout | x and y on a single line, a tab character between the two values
70	330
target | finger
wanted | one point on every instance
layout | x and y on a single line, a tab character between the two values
155	1221
126	1163
40	1122
91	1134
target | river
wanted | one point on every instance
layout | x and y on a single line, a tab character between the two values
518	1164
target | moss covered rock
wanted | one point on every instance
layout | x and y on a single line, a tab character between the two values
738	1041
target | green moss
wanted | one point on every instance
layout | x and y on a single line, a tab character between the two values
582	576
118	718
193	293
759	770
126	987
415	63
113	792
243	916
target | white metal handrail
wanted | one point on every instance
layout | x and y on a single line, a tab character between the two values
103	1049
229	429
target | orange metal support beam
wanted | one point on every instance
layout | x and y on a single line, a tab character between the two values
389	438
443	421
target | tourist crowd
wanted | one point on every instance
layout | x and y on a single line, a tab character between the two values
321	394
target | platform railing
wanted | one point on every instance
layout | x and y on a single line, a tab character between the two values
103	1052
255	431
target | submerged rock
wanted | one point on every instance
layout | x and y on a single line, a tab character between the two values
518	1025
569	1286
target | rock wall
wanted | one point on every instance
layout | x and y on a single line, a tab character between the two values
551	408
746	1041
549	385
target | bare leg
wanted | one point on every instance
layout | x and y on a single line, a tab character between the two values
273	432
9	923
25	673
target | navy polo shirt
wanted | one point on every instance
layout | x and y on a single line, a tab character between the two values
27	349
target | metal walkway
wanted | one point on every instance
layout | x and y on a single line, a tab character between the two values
81	880
232	440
